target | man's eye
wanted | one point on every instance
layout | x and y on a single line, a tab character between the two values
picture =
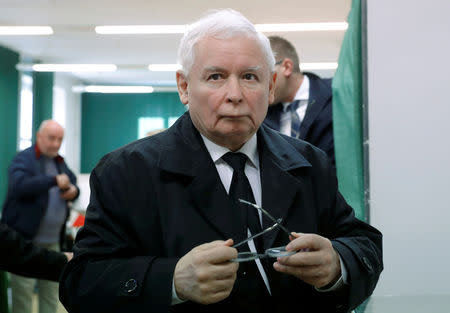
250	76
214	76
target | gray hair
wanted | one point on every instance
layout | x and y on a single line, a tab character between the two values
223	24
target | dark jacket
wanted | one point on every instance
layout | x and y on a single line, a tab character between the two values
155	199
27	197
22	257
317	125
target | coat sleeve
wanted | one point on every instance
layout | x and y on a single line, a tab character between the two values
112	270
358	243
24	258
24	181
73	180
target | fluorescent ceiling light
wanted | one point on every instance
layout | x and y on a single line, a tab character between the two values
301	27
113	89
319	66
180	29
164	67
141	29
25	30
74	67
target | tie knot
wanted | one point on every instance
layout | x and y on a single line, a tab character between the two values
235	160
294	105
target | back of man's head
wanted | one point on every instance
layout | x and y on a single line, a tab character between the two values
283	49
223	24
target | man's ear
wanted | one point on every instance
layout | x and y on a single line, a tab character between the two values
272	87
287	67
182	86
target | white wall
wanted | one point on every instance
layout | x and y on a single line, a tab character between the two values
72	123
409	130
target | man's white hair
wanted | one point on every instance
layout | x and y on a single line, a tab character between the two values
222	24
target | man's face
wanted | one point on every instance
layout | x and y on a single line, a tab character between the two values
49	139
228	89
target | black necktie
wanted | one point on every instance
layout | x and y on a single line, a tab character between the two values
240	189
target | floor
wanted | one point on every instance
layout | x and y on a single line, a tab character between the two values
61	308
409	303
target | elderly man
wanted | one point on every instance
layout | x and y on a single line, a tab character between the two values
165	230
36	206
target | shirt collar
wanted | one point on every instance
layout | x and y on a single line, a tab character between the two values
38	154
250	149
302	92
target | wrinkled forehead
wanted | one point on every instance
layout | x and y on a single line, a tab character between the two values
52	131
232	49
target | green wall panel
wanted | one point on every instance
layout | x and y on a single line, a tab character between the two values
9	90
42	98
110	121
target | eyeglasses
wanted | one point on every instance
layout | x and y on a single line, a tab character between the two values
271	252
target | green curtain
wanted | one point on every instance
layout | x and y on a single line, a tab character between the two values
348	114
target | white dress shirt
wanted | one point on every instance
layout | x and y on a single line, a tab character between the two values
302	95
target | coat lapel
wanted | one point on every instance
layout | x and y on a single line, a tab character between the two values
185	154
279	187
318	98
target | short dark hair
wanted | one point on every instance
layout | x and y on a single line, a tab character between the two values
284	49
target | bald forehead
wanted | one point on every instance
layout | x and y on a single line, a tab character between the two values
51	127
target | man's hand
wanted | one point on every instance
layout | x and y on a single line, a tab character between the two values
316	263
205	274
63	181
69	256
70	193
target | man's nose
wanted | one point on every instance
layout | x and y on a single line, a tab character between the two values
234	92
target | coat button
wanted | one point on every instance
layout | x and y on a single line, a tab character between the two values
367	263
131	285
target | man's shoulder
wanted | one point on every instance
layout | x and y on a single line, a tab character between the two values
320	81
145	148
282	144
148	150
26	154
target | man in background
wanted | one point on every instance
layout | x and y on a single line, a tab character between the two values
303	101
40	186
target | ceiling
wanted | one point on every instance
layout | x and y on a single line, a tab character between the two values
75	41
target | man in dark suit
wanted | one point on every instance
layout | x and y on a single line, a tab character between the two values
313	100
162	222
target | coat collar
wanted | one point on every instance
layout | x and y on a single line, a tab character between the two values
184	153
38	154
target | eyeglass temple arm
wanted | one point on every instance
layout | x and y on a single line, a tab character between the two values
277	223
267	214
